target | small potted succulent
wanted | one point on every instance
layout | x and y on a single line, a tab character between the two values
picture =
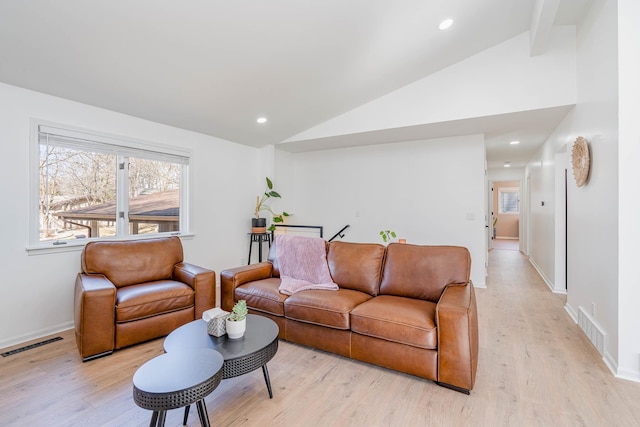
259	225
236	323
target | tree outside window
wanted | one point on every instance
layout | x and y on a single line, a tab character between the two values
90	186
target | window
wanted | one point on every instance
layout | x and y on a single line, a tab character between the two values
93	186
509	200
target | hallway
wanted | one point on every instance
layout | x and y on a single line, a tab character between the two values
506	244
536	367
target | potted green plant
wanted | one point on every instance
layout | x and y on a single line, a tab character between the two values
259	225
236	323
387	235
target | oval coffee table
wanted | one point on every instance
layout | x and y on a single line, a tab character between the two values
243	355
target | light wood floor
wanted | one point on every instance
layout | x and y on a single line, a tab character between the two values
506	244
535	369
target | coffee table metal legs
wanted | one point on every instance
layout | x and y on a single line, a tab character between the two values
186	415
202	413
267	380
265	372
158	418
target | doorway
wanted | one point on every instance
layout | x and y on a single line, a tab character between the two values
505	215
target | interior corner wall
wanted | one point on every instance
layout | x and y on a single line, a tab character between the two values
429	192
592	243
629	197
37	290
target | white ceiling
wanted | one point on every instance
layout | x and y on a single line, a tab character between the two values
214	66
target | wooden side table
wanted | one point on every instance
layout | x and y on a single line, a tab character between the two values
260	238
175	380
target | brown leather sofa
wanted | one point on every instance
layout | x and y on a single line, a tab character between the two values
137	290
405	307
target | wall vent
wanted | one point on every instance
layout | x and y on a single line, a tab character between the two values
591	329
30	346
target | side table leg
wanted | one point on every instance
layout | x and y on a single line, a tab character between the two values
154	419
202	413
267	380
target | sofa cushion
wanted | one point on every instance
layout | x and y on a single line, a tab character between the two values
423	271
398	319
144	300
262	295
356	266
325	308
130	262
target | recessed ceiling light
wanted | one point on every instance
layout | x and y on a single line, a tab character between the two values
262	120
507	164
514	142
445	24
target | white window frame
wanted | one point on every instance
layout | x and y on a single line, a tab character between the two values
508	190
123	147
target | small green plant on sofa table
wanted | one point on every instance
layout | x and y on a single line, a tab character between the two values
387	235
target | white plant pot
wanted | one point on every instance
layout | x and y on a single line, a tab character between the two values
235	329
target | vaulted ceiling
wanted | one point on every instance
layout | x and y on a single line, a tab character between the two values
215	66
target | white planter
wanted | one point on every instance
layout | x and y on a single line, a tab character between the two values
235	329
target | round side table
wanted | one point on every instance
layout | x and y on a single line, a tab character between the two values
177	379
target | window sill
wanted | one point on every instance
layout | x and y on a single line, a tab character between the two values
78	245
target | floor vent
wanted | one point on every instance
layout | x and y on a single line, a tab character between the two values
30	346
595	334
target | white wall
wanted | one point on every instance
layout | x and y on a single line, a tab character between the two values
629	199
501	79
592	209
37	290
423	190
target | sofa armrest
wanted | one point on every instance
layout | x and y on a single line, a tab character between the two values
457	323
203	282
94	315
231	278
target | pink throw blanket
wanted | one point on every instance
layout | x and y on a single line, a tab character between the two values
303	264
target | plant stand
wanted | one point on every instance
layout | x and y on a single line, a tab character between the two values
260	238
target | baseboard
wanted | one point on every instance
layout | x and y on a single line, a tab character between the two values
572	313
545	279
625	374
9	342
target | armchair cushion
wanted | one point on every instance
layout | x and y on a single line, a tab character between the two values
130	262
137	302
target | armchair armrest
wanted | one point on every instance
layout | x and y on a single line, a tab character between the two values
94	315
203	282
232	278
457	323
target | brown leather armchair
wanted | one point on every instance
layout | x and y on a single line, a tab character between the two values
134	291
